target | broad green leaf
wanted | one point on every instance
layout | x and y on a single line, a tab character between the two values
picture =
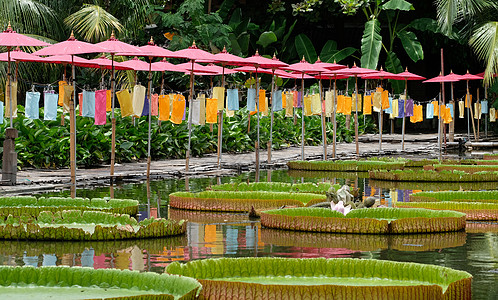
398	4
126	145
225	8
343	54
305	48
411	44
371	43
425	24
267	38
393	65
328	50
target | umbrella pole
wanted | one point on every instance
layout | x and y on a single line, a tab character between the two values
190	116
485	119
380	127
113	119
302	117
478	115
72	133
9	78
404	116
440	126
150	118
452	123
364	94
271	117
220	128
257	126
334	135
356	118
469	102
324	137
160	92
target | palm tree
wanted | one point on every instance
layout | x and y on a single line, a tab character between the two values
477	22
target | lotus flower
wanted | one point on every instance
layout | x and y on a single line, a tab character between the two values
340	207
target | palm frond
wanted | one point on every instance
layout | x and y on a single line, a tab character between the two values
30	16
484	42
451	12
93	23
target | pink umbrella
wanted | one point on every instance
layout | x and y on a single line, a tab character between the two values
71	47
328	66
219	70
441	79
192	53
114	46
258	61
17	55
404	76
9	38
68	59
304	67
140	65
356	71
468	77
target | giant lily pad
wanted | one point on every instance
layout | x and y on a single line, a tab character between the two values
434	176
345	165
32	206
240	201
432	186
475	211
319	278
308	187
86	283
87	225
460	196
371	220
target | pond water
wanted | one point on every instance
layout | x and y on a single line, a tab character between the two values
235	235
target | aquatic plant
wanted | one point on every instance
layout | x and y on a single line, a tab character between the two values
32	206
86	225
240	201
95	283
320	278
475	211
371	221
432	186
345	165
429	175
307	187
467	168
470	196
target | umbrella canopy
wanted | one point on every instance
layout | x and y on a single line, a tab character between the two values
107	63
140	65
194	53
329	66
19	55
354	70
164	65
228	59
70	47
453	76
377	75
220	70
196	68
68	59
263	62
482	75
331	76
251	69
441	78
113	46
406	76
10	38
305	67
469	76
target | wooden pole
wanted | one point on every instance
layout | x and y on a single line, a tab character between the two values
302	116
324	136
72	131
220	126
149	93
443	95
452	123
404	117
471	113
271	116
334	138
113	118
257	126
440	126
356	119
478	114
187	155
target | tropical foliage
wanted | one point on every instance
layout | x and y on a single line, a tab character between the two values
133	284
224	276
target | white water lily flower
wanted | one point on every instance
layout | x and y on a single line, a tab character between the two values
340	207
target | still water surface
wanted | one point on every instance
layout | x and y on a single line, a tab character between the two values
235	235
